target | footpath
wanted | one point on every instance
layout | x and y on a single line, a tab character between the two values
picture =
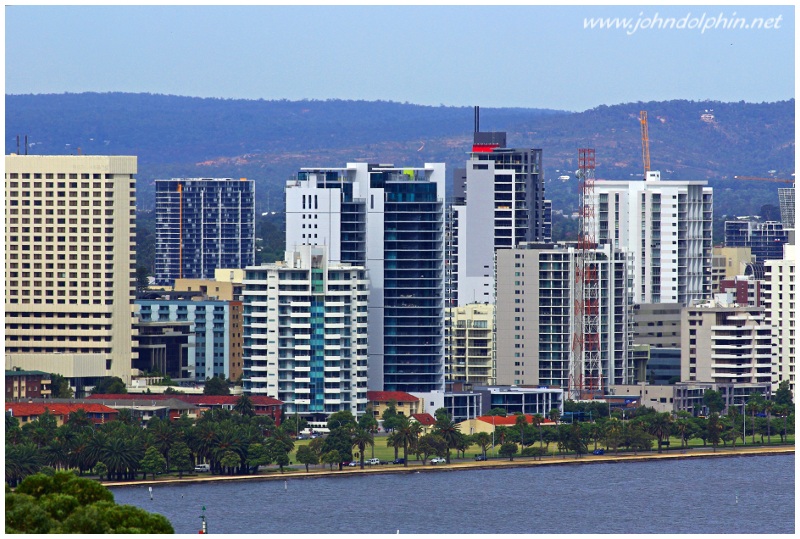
494	463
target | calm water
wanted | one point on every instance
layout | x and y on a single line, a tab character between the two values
719	495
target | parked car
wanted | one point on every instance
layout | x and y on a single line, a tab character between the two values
598	452
399	461
202	468
372	461
352	463
480	457
438	460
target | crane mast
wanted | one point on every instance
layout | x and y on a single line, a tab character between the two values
645	142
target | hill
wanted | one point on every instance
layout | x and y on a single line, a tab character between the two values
269	141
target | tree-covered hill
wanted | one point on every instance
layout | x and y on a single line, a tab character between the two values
269	141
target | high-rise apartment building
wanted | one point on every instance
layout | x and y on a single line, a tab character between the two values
391	220
203	224
722	341
305	334
70	265
780	298
498	203
535	309
470	344
786	199
666	226
765	239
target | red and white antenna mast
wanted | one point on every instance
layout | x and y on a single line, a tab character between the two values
585	370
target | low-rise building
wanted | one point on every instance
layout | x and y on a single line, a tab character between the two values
27	384
406	403
26	412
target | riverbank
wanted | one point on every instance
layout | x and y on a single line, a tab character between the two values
469	465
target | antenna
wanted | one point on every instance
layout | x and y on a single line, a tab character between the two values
17	144
477	119
26	144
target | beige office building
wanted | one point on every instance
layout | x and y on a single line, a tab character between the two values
70	265
780	298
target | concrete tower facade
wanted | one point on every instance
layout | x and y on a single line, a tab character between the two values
70	265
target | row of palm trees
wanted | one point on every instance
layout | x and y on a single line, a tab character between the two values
232	442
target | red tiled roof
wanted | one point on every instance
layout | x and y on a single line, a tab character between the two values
500	421
199	400
424	419
386	396
28	409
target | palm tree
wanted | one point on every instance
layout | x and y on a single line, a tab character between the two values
393	440
446	428
659	426
244	405
407	433
520	422
537	420
360	439
555	415
163	435
769	407
22	460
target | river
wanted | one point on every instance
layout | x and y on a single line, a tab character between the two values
752	494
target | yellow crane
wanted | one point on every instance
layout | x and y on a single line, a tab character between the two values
645	142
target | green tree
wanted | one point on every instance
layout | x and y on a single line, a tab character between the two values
101	470
331	458
258	455
216	386
407	434
713	401
755	403
554	415
22	460
306	456
244	405
660	426
500	412
152	462
64	503
59	387
293	424
639	439
141	278
110	385
229	461
180	457
361	438
430	444
370	424
714	429
447	429
482	440
508	449
783	395
390	417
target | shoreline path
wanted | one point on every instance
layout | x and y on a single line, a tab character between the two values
468	465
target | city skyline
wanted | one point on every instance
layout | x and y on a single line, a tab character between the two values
436	54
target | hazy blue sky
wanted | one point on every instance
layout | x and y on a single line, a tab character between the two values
509	56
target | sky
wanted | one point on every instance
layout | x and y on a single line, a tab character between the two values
454	55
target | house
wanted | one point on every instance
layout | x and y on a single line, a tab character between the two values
488	423
407	404
427	421
26	412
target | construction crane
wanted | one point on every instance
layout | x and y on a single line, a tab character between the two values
645	142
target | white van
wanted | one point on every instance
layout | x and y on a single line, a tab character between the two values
202	468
